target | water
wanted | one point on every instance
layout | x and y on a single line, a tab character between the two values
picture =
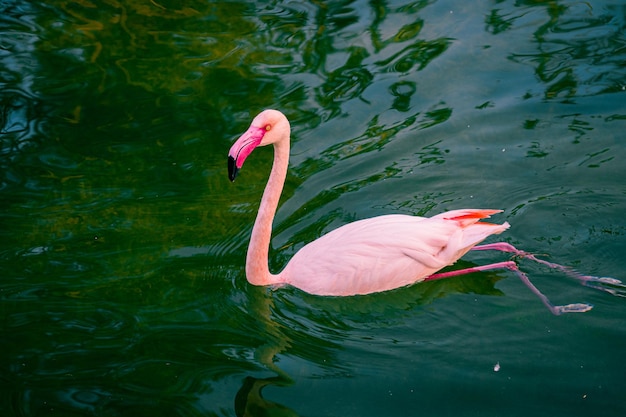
122	241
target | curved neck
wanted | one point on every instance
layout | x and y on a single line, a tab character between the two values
257	268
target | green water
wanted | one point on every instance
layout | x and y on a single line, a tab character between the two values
122	242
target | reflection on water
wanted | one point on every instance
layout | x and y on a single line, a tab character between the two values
574	51
122	289
249	400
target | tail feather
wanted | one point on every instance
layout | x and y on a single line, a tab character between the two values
473	231
466	217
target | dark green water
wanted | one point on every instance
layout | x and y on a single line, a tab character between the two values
122	246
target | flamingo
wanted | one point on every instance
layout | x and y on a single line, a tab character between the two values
375	254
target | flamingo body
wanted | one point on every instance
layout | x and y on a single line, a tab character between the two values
367	256
386	252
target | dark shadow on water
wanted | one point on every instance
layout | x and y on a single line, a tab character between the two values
249	400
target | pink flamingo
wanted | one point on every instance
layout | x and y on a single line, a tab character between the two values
377	254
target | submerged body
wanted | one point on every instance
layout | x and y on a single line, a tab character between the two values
376	254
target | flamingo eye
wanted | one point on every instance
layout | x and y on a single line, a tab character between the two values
268	128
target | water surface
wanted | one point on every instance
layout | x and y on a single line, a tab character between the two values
122	287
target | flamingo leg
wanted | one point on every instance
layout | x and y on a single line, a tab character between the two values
512	266
607	284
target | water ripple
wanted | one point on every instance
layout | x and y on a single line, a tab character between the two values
416	56
123	287
578	54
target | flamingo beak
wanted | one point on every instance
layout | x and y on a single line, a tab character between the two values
232	169
242	148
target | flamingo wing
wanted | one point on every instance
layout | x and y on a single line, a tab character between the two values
386	252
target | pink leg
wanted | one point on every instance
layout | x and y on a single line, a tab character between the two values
510	265
611	285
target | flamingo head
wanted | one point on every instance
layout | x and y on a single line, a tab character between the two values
268	127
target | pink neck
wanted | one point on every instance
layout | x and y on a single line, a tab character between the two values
257	269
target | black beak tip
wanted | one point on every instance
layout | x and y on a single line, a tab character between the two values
232	169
